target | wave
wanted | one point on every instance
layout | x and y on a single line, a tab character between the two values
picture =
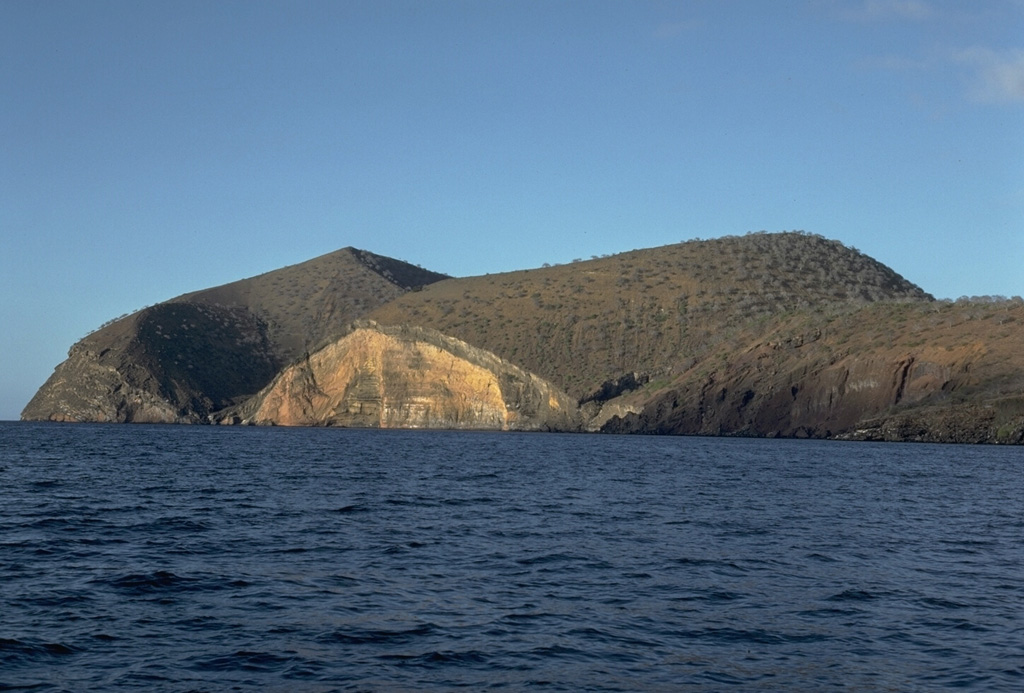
13	651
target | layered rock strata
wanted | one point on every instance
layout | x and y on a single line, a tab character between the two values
405	377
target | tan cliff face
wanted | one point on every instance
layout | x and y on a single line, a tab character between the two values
403	377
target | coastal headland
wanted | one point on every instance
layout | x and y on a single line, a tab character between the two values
763	335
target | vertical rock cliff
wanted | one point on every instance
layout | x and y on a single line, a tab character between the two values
404	377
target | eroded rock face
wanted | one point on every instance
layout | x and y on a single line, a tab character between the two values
88	387
926	395
405	377
171	363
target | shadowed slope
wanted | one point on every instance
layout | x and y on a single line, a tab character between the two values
180	360
937	372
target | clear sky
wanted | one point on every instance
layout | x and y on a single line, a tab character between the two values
153	148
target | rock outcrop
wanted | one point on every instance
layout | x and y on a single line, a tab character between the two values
953	378
404	377
88	386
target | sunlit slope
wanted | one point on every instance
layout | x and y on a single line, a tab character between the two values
652	311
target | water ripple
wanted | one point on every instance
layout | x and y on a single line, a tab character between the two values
201	558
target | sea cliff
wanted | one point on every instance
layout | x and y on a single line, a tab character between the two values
407	377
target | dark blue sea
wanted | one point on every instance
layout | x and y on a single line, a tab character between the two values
177	558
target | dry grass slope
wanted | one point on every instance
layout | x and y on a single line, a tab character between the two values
308	304
652	311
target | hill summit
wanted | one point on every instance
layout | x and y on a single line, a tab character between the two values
181	360
786	334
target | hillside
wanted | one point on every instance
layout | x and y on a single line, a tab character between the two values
937	371
181	360
762	335
647	311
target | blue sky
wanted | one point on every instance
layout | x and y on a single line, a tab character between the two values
153	148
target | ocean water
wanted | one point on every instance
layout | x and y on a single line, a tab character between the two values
174	558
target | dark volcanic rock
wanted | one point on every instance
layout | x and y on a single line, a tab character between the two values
948	381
